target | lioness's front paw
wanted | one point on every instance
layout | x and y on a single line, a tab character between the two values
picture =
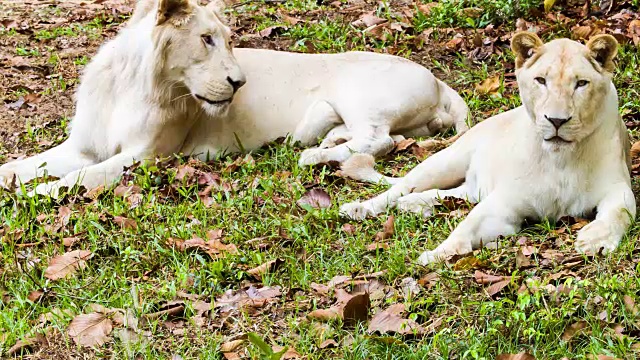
450	247
310	157
355	211
595	236
418	203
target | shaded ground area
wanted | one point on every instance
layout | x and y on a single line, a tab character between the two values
246	255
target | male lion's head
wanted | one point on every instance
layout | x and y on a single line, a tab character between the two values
564	84
196	51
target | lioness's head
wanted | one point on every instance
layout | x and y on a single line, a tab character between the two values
196	51
563	85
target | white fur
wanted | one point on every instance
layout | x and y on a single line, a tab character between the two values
137	100
505	164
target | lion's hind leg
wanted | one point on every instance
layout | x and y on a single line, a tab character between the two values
318	120
370	140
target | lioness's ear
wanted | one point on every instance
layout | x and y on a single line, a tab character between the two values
603	49
217	6
523	45
175	11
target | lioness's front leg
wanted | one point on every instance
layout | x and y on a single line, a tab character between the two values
496	215
423	203
104	173
443	169
615	212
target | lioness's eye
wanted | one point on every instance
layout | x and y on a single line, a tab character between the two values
541	80
581	83
207	39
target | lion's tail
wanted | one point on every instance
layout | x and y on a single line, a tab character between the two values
361	167
458	109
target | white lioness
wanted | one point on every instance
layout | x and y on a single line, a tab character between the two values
563	152
169	83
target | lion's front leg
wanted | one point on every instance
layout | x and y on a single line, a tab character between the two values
615	212
57	161
104	173
495	216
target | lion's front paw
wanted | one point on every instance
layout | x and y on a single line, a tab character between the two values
595	236
355	211
7	178
50	189
418	203
310	157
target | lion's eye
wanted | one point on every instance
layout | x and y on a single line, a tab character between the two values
541	80
207	39
581	83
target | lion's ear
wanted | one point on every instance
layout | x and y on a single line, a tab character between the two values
603	49
217	6
523	45
175	11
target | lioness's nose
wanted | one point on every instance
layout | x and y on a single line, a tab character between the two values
557	122
236	83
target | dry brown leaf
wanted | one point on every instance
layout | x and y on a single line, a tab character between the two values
351	308
454	44
630	304
403	144
64	265
329	343
426	8
522	261
468	263
35	295
387	229
489	86
484	279
125	222
635	150
90	330
391	321
602	357
213	247
25	344
268	267
429	280
582	32
69	241
374	247
497	287
368	20
332	313
245	300
170	309
231	356
573	330
518	356
316	198
349	229
291	353
231	345
290	20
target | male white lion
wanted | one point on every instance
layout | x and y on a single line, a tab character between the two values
563	152
169	83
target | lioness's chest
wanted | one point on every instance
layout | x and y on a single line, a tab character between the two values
538	189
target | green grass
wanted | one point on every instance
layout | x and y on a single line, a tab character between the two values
137	269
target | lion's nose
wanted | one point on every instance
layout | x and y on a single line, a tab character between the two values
557	122
237	83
